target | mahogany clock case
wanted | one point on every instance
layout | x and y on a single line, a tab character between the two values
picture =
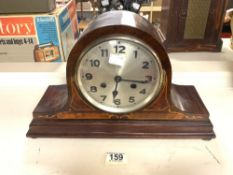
177	112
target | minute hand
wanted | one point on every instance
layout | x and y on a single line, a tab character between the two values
135	81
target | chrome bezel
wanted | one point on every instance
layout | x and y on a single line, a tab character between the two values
85	95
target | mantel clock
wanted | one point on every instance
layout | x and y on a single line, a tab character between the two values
119	86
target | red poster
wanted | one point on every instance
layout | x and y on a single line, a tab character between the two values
16	26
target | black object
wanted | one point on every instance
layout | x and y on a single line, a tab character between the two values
129	5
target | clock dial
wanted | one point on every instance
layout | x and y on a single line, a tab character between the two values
119	75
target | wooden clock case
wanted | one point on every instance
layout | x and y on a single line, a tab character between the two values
178	111
192	25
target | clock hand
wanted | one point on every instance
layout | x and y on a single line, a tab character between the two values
115	92
136	81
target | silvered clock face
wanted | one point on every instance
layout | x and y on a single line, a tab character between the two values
119	75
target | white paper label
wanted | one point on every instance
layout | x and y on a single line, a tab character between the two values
115	158
117	60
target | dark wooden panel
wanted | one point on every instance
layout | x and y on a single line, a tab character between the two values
173	27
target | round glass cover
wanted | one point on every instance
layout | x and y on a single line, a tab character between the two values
119	75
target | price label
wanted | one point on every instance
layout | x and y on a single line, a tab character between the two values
116	60
115	158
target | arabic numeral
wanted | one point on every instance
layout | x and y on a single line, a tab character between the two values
135	54
88	76
131	99
117	101
145	65
104	52
103	97
93	89
95	63
116	156
119	49
143	91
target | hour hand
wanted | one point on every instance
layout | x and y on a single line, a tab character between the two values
117	79
114	94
